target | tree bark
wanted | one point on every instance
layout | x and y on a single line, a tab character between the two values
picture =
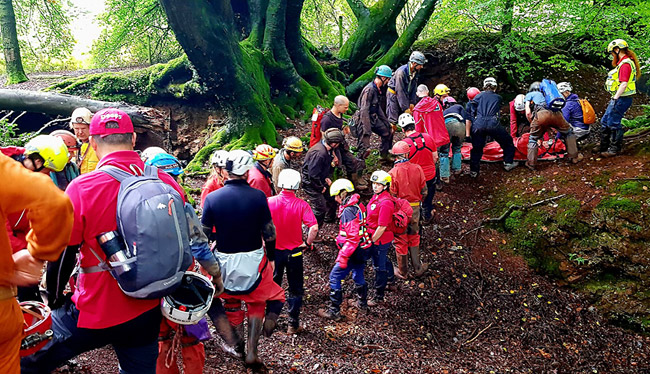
375	34
144	118
15	72
399	49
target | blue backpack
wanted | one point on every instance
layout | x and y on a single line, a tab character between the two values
554	99
152	222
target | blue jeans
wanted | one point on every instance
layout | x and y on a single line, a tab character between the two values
427	203
381	263
615	112
338	274
135	342
443	152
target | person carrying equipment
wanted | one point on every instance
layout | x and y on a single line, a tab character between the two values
408	183
455	120
50	218
621	84
287	157
371	117
488	104
380	216
334	120
519	124
423	152
429	118
289	214
238	218
259	176
316	172
166	163
401	96
572	111
80	123
100	312
542	118
217	176
352	241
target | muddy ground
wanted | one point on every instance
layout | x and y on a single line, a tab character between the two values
478	309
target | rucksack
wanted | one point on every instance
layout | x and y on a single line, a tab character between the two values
588	113
401	216
418	147
152	222
366	240
316	118
554	100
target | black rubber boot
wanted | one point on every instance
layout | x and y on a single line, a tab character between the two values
253	360
294	303
334	311
605	135
617	143
362	297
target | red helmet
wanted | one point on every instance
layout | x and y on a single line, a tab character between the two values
400	148
38	330
472	92
68	138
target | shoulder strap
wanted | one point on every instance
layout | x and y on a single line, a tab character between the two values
115	172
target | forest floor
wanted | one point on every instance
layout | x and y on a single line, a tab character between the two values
479	308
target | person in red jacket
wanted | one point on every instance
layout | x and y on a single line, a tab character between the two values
519	124
380	215
259	176
218	176
422	151
429	117
289	214
353	240
408	183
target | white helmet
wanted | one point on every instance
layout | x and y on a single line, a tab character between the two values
289	179
564	87
190	301
150	152
239	162
489	81
520	103
81	115
405	119
219	158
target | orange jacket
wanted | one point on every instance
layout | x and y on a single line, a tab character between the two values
50	214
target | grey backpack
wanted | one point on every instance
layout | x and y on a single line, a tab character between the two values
151	219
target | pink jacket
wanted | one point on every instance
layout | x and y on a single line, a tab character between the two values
430	119
352	231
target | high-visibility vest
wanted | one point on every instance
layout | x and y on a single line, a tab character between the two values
612	83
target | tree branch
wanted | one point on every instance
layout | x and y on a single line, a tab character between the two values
359	9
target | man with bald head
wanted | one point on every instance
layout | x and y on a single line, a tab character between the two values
334	120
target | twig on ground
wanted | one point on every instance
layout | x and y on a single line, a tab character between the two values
479	334
637	179
511	209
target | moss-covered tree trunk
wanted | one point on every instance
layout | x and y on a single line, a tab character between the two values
399	49
15	72
376	32
261	79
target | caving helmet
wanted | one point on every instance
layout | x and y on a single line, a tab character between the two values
38	327
384	71
520	103
472	92
219	158
339	185
564	87
150	152
489	82
418	58
620	43
190	301
293	144
239	162
81	115
535	87
405	119
441	89
381	177
51	149
264	152
167	163
68	138
289	179
400	148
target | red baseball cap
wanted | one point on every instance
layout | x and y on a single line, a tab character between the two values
120	122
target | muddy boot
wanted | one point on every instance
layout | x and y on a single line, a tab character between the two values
233	341
402	267
616	143
362	297
253	360
605	135
532	157
572	149
419	268
334	311
295	303
358	181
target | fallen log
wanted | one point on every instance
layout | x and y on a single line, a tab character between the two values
55	104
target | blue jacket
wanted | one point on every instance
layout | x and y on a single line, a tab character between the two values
572	112
405	93
488	104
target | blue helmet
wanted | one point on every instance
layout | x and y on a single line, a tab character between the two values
167	163
384	71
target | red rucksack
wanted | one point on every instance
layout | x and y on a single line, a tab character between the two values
316	118
401	216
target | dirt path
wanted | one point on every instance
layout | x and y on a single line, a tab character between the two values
478	309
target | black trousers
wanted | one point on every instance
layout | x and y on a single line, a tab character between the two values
290	261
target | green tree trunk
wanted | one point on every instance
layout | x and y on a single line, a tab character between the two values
399	49
15	72
375	34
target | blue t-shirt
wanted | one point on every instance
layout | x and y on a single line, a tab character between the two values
536	97
238	213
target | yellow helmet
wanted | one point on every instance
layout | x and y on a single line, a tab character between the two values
293	143
51	149
263	152
380	177
620	43
441	89
341	185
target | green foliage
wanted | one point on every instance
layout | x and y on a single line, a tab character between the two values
615	205
10	135
134	32
639	123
